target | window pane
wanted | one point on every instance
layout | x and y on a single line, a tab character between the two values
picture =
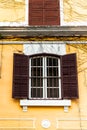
51	71
36	92
49	61
52	61
33	92
55	62
39	92
36	71
53	92
36	82
52	82
36	61
39	61
33	62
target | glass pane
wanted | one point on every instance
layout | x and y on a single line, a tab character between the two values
33	62
36	82
36	92
39	92
56	93
33	92
33	82
36	61
53	93
52	61
52	82
52	71
49	61
36	71
55	62
39	61
49	82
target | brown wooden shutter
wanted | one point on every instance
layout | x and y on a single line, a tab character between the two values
69	76
51	12
35	12
44	12
20	76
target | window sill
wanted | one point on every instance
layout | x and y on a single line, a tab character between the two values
65	103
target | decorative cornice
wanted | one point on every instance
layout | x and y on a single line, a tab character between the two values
42	31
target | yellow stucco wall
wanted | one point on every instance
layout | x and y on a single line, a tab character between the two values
75	10
11	113
12	10
15	10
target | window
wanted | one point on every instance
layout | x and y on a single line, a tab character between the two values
44	12
45	76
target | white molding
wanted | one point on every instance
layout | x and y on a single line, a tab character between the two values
45	123
44	47
13	23
79	23
65	103
26	102
41	42
61	13
26	12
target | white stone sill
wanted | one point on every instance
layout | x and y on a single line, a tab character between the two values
26	102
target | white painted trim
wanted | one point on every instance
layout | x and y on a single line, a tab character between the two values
29	78
13	23
45	123
26	102
27	11
59	78
61	13
41	42
74	23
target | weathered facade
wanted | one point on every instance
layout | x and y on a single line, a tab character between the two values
43	65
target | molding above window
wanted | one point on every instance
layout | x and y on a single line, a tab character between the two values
49	31
64	103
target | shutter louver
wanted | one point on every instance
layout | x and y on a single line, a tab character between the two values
20	76
51	12
69	76
35	12
44	12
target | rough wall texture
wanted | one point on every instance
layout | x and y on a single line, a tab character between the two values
75	11
12	10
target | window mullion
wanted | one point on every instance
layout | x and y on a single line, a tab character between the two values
44	78
59	73
30	78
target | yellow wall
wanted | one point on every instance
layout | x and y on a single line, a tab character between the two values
12	115
12	10
75	10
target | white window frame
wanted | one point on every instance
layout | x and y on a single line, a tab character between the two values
45	79
35	47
